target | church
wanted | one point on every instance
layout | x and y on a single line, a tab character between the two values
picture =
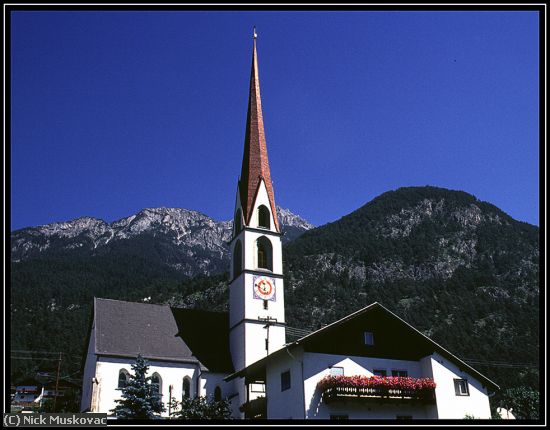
370	364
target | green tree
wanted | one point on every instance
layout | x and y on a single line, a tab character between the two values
523	402
46	406
139	398
200	408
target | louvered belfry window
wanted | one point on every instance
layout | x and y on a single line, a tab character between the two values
264	253
263	217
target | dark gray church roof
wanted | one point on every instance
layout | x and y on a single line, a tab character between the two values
160	332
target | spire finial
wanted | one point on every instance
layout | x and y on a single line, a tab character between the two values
255	36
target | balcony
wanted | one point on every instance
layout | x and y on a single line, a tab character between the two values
379	394
255	409
377	389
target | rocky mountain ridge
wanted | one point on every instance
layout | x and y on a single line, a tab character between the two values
193	242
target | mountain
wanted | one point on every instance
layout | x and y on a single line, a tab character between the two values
458	269
185	240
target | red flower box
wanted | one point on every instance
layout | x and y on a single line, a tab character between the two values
392	382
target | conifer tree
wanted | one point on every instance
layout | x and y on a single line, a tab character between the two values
139	398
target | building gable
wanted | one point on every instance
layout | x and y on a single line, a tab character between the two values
374	334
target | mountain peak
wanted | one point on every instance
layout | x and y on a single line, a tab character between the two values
186	240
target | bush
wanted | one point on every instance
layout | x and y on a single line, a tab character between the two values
200	408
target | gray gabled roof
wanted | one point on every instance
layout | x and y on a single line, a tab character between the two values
160	332
325	333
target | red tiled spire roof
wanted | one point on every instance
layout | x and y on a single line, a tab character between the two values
255	163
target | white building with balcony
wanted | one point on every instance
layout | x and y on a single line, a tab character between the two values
370	342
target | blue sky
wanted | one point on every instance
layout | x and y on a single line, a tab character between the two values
116	111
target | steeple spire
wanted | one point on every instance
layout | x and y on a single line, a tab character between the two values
255	165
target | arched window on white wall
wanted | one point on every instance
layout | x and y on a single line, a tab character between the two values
264	217
156	383
264	253
186	388
123	378
237	222
237	259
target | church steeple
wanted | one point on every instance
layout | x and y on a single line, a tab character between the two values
255	165
256	290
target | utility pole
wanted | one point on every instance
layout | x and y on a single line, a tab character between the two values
57	383
170	401
268	322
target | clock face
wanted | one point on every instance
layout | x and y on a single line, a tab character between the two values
264	288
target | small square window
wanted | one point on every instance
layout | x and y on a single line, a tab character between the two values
380	372
285	380
336	371
461	387
401	373
369	338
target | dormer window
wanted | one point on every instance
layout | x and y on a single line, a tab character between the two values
264	217
336	371
461	387
369	338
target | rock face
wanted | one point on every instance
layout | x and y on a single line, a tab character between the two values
458	269
185	240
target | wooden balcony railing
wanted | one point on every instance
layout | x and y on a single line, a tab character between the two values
378	394
255	409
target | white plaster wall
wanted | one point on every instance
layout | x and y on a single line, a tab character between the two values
240	388
288	404
250	261
243	304
255	341
88	374
237	299
316	367
236	346
254	307
427	372
247	345
451	406
262	199
108	368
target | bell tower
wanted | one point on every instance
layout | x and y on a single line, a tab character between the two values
256	296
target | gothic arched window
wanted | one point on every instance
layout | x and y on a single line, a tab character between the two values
123	377
237	222
186	388
264	217
265	253
237	259
156	383
217	394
